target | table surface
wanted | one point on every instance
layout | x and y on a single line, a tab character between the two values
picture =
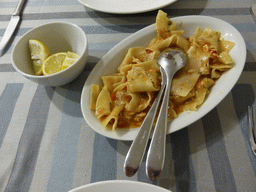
46	145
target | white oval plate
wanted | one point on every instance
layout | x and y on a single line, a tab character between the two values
110	62
119	186
125	6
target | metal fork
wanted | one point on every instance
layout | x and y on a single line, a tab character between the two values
252	128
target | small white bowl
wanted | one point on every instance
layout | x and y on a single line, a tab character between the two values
59	37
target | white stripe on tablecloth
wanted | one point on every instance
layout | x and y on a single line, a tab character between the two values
83	168
212	4
58	9
84	20
185	3
14	77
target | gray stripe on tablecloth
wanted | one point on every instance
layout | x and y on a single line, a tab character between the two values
245	27
249	66
183	166
104	165
6	68
243	96
114	29
24	164
171	12
222	171
8	101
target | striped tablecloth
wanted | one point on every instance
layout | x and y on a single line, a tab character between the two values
46	145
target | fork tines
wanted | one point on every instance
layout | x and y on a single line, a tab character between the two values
252	128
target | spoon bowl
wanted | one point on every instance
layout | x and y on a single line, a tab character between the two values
172	60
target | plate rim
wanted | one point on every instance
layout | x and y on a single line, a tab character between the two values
162	4
198	115
115	182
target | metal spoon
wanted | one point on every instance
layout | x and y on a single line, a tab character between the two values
136	152
171	60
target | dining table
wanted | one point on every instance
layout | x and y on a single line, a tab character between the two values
46	144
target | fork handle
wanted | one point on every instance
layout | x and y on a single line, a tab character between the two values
156	152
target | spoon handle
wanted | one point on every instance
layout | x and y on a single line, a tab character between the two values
135	154
156	152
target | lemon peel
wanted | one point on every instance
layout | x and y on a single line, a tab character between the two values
39	53
69	60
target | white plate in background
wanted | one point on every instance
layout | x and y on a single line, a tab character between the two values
119	186
125	6
110	62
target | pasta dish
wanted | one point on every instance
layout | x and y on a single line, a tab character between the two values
126	96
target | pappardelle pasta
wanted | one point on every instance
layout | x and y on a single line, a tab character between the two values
125	97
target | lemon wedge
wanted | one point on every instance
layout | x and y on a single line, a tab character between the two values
39	52
69	60
53	63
